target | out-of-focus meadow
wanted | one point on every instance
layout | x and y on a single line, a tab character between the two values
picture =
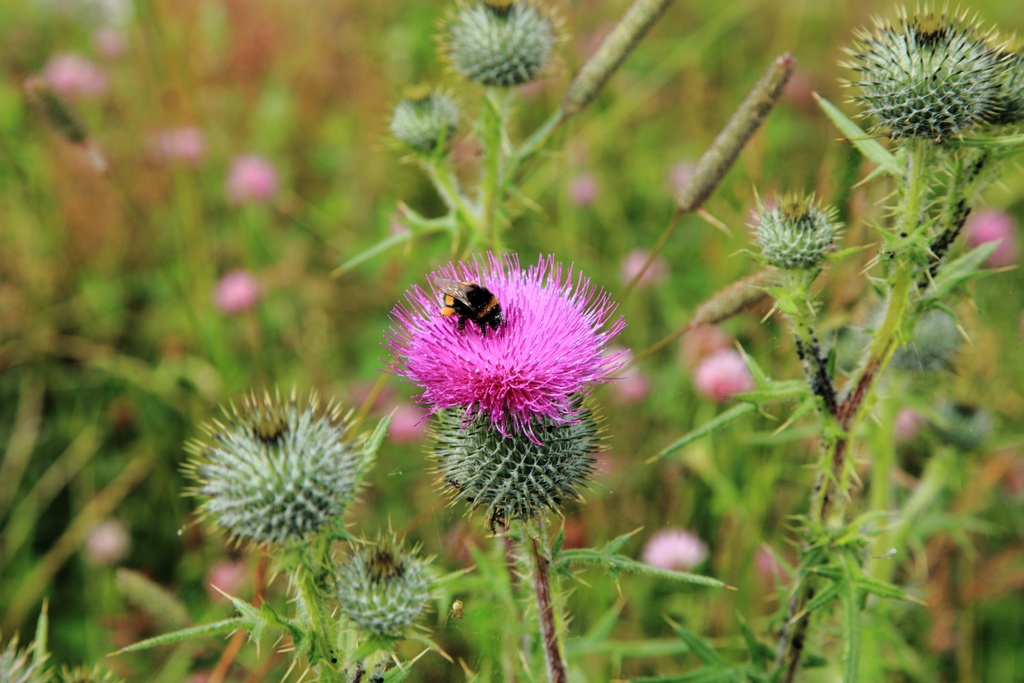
248	156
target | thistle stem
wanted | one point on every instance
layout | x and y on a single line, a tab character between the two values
548	630
492	132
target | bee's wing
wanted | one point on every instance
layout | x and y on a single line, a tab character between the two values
452	288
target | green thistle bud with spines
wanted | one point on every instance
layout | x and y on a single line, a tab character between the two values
1012	101
384	588
965	426
425	119
23	666
932	75
275	472
82	674
500	43
797	232
933	345
515	477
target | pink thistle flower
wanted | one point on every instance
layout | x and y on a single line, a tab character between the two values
767	565
680	174
252	179
107	543
583	189
675	549
907	424
236	292
74	76
721	375
700	343
226	576
549	347
109	42
993	225
180	145
408	425
634	262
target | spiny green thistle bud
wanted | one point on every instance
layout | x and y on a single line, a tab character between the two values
934	344
1012	100
965	426
931	76
384	588
425	119
502	43
515	477
274	472
22	667
796	232
82	674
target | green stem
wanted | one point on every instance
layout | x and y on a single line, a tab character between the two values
466	214
493	121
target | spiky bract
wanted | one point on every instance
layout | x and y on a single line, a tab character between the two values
425	120
81	674
797	232
23	666
515	478
931	75
276	472
384	588
502	44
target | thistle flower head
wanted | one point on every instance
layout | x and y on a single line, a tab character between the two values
501	43
795	232
425	119
549	347
384	588
23	666
276	472
930	75
515	478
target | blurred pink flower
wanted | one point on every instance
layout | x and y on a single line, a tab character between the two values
632	386
634	262
252	180
767	566
680	174
107	543
674	549
237	291
993	225
408	424
583	189
700	343
74	76
907	424
721	375
109	42
227	575
182	145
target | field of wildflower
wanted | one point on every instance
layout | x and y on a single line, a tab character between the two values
511	340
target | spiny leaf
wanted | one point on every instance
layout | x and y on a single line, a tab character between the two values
708	427
964	269
705	652
225	626
867	145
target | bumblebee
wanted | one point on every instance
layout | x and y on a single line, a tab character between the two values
469	301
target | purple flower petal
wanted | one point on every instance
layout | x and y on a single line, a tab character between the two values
550	346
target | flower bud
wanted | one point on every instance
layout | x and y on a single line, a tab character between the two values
1012	101
933	345
500	43
384	588
425	119
931	76
965	426
796	232
274	472
515	477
